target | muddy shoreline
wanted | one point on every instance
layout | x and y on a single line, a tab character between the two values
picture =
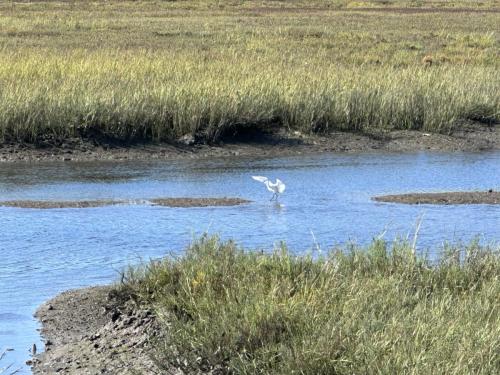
446	198
472	137
95	331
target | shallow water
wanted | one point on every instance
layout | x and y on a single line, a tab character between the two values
327	202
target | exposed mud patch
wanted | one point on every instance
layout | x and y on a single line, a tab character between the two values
95	331
166	202
198	202
465	197
470	136
59	204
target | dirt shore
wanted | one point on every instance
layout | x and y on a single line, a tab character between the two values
197	202
93	331
470	137
459	197
165	202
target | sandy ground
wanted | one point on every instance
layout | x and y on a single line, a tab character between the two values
461	197
166	202
471	137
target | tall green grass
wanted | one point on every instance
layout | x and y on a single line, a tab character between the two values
159	70
155	98
380	309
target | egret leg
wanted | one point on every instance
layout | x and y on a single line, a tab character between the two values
274	196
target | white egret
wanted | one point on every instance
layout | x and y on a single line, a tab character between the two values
276	188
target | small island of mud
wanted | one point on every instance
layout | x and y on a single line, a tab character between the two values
458	197
165	202
58	204
197	202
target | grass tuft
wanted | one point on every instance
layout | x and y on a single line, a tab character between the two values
379	309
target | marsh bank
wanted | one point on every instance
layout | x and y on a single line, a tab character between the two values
471	137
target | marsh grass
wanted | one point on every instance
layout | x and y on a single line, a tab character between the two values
152	97
380	309
159	70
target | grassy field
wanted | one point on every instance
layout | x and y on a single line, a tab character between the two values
156	70
353	311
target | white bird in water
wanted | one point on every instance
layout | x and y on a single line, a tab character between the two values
276	188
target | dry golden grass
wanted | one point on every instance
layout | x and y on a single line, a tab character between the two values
158	70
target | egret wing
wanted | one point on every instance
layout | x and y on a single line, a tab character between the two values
281	186
260	178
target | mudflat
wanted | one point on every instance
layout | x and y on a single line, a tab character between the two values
57	204
469	138
458	197
198	202
94	330
166	202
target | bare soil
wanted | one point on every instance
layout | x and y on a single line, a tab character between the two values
198	202
95	331
58	204
462	197
166	202
470	137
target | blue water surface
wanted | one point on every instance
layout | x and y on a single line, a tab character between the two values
327	202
